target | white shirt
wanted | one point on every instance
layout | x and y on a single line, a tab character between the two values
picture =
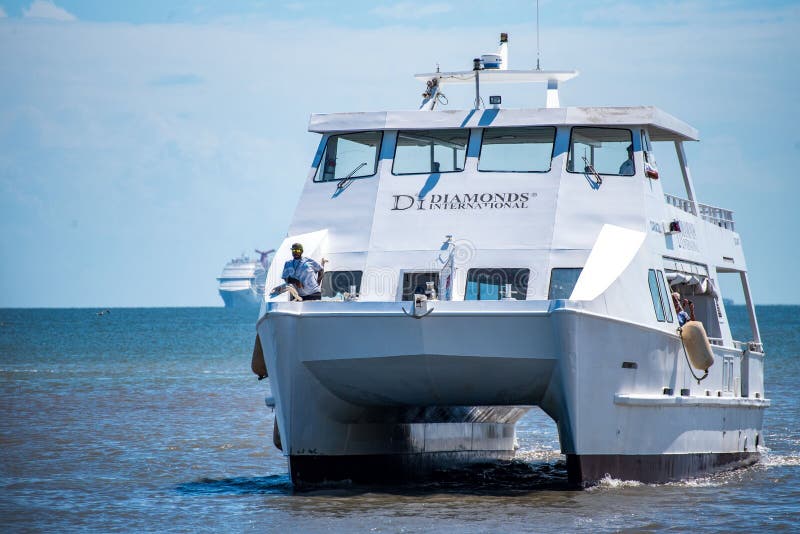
305	270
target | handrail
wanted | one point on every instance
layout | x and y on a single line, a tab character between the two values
751	346
718	216
680	203
739	345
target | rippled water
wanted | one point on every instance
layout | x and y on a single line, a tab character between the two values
149	419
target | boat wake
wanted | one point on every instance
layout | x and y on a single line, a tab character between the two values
607	482
721	478
770	459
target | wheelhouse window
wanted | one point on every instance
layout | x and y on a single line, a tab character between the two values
517	149
655	294
416	283
601	151
350	155
492	284
339	282
562	282
430	151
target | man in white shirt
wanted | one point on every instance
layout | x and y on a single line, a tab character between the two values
626	169
303	273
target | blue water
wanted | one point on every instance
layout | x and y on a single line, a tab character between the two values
150	419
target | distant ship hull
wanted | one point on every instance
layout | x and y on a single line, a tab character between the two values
241	284
398	398
243	298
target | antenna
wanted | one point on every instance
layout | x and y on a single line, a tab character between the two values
476	67
537	36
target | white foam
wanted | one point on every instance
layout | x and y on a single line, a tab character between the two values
780	460
701	482
607	482
546	454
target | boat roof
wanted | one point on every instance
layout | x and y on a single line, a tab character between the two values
661	125
499	76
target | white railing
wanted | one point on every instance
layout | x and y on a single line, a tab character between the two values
680	203
752	346
718	216
738	345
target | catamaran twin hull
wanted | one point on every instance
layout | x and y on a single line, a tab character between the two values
564	273
365	392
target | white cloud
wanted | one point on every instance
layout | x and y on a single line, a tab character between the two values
2	13
411	10
46	9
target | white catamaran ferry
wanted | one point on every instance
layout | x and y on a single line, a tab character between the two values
486	261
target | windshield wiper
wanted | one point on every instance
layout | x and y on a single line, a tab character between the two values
589	169
346	180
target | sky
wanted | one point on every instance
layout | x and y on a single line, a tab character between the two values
144	144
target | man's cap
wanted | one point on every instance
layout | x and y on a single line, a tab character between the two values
297	246
676	295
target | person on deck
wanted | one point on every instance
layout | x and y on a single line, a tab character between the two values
627	169
683	316
304	273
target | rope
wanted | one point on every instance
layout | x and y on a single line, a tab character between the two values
686	354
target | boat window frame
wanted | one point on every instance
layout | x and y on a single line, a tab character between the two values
378	148
428	173
406	272
524	293
552	149
660	305
358	274
569	150
662	285
550	284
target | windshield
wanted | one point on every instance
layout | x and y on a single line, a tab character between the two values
601	150
350	155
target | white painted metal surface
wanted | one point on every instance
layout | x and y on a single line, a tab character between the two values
499	76
611	254
662	126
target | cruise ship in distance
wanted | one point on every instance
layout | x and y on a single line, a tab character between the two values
241	283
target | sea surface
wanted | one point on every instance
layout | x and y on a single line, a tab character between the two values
150	420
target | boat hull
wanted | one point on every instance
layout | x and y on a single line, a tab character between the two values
384	468
653	468
365	392
582	470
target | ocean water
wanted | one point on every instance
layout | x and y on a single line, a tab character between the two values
150	420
